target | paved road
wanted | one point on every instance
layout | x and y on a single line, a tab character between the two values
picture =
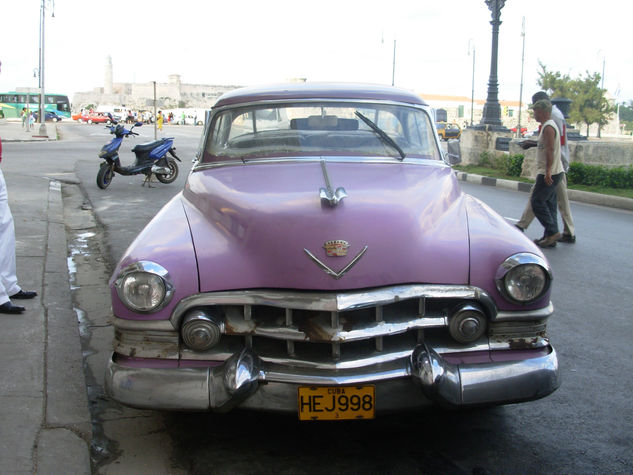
585	427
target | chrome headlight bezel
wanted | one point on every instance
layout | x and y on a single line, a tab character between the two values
145	267
523	261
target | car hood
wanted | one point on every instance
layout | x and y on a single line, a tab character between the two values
254	225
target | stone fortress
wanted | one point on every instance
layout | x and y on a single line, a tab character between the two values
140	96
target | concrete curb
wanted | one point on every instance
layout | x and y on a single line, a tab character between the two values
67	433
574	195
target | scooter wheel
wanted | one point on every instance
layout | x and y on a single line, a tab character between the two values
105	175
173	172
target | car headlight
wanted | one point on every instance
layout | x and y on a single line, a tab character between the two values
523	278
144	287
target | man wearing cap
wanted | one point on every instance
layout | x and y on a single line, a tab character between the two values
569	234
549	172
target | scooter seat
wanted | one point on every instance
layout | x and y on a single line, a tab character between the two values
146	147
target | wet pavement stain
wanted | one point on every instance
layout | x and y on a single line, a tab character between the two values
85	264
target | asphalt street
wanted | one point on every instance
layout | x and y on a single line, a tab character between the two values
52	381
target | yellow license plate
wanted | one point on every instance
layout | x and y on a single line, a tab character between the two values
336	402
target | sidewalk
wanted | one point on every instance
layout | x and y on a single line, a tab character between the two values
11	130
46	427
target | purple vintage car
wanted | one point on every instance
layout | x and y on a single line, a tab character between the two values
323	260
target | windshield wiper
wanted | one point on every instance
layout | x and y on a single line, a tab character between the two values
382	134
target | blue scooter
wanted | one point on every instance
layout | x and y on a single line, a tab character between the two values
151	158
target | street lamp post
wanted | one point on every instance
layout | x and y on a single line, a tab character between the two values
42	97
491	118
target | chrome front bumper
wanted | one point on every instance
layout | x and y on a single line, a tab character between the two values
246	381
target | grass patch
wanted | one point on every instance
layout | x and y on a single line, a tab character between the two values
494	173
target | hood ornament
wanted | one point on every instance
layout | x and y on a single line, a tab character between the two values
331	272
328	194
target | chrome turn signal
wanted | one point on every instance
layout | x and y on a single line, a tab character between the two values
200	331
467	324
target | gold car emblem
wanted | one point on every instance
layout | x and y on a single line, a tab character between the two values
336	248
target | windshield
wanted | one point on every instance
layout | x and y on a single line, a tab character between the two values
320	129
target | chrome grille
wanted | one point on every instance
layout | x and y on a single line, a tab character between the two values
315	329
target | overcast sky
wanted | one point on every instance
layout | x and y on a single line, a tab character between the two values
253	41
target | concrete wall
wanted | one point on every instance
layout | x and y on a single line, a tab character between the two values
610	153
604	152
473	142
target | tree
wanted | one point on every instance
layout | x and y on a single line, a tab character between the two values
555	84
589	104
626	115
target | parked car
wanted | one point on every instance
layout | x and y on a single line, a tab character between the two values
322	260
448	130
49	116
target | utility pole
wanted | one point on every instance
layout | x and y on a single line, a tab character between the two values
521	88
472	93
155	132
393	71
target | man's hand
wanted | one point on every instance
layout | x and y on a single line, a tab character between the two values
528	143
548	179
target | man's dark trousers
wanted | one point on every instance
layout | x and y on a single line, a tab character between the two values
544	203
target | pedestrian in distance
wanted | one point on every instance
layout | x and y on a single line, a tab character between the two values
159	120
549	172
569	234
9	288
25	119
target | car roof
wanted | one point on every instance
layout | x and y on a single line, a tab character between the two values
318	91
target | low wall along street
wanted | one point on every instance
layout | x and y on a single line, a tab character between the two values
607	152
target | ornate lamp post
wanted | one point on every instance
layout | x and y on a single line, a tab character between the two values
492	110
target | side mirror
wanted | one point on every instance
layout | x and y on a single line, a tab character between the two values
453	154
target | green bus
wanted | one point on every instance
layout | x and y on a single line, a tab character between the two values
12	103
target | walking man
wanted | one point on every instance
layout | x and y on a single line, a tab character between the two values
549	172
569	234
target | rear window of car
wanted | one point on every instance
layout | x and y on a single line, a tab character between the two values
319	129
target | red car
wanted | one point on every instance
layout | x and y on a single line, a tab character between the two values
92	118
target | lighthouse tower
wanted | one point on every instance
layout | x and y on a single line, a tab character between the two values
107	85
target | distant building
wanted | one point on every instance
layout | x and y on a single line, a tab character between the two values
140	96
458	110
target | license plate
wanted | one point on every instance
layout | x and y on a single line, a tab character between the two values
336	402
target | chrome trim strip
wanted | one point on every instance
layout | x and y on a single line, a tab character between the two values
540	313
326	301
320	100
143	325
314	159
323	333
